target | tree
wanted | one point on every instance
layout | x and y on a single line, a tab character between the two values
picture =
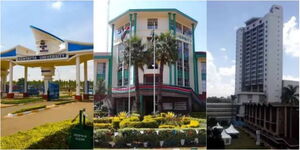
101	90
166	51
289	95
135	51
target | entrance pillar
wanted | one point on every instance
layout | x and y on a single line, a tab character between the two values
25	93
11	72
47	72
78	95
86	88
4	73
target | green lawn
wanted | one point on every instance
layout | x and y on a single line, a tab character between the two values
244	141
21	101
52	135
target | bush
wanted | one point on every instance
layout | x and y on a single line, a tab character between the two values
149	123
30	108
64	102
159	119
102	137
47	136
116	122
171	137
166	126
194	124
103	120
21	101
102	126
131	122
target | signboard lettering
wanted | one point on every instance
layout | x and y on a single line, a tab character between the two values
43	57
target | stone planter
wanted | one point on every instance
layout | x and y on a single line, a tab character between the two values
182	141
145	144
161	143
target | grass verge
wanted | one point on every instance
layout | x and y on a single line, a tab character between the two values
244	141
50	136
30	108
21	101
64	102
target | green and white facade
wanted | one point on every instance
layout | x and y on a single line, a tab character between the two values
184	82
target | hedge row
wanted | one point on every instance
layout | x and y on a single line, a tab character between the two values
64	102
30	108
131	137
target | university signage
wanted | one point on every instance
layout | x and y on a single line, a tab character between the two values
42	57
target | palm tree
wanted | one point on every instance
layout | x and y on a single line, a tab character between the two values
289	94
166	53
135	49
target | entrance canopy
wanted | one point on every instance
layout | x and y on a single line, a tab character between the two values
51	51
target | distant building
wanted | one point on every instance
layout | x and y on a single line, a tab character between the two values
184	88
221	111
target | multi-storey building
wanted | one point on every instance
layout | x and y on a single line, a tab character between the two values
259	59
184	82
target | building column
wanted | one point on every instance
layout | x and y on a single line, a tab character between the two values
86	88
78	95
285	121
277	120
11	72
47	72
265	117
3	80
25	92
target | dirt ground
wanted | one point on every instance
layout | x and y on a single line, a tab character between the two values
22	123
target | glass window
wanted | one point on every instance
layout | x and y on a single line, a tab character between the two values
152	23
178	27
187	31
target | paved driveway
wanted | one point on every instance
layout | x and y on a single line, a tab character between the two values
22	123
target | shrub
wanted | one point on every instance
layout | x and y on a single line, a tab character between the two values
122	115
102	137
45	136
30	108
149	123
194	124
185	120
64	102
159	120
116	122
166	126
102	125
103	120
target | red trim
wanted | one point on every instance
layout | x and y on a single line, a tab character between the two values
86	96
25	95
78	97
10	95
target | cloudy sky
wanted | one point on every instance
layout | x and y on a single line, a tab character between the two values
223	20
67	20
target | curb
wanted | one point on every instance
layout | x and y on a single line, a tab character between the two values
10	115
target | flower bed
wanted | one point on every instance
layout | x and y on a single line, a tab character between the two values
161	130
149	137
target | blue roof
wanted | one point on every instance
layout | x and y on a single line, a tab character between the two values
46	33
10	53
79	47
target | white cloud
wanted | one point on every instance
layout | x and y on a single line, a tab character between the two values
57	5
223	49
289	77
220	81
291	36
227	71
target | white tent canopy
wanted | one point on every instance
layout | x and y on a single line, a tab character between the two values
231	130
226	138
218	126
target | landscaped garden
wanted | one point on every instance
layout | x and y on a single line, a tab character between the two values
52	135
161	130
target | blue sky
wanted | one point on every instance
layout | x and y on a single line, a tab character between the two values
194	9
223	20
67	20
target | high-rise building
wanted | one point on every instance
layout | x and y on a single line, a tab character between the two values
259	59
